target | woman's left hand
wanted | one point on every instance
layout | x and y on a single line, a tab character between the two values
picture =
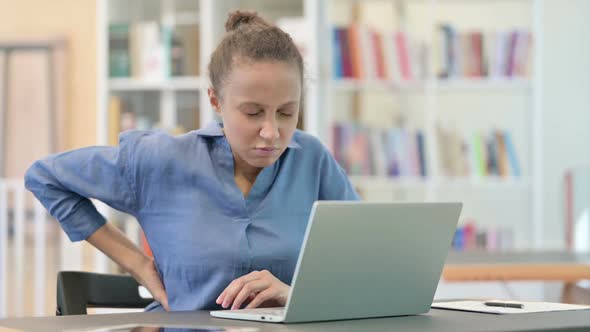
260	287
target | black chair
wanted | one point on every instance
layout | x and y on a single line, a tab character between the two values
78	290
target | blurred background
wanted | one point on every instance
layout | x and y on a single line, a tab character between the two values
481	101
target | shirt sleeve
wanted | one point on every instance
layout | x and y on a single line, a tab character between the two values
64	183
334	183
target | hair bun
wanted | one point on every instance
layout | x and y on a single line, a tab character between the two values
238	18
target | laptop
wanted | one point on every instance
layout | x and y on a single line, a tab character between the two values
363	260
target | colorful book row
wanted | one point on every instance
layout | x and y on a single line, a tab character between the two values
488	154
470	237
123	116
360	52
391	152
499	54
148	50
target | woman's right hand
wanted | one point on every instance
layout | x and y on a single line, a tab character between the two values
111	241
147	275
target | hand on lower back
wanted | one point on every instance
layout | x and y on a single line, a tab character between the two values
148	276
111	241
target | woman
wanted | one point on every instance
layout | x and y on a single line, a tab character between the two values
223	208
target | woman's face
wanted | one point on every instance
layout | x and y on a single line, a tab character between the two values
259	105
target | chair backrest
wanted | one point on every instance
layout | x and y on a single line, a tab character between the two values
78	290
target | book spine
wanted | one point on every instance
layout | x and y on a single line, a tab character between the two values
354	49
403	55
512	155
345	53
337	54
421	153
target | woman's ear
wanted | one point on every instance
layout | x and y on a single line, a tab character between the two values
214	100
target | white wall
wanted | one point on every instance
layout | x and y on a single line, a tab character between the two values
566	104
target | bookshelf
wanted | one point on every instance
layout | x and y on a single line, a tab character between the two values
467	104
154	55
477	103
156	96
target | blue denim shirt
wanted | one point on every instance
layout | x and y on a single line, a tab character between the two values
202	230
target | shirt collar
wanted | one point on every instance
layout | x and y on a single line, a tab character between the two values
214	130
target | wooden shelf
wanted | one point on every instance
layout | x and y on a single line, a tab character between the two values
488	182
483	84
175	83
441	85
376	85
378	181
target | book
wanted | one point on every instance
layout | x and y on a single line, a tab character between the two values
119	59
368	68
511	60
345	53
458	242
446	51
337	66
492	166
147	51
355	53
479	156
188	38
378	60
421	153
527	307
403	52
502	158
453	155
512	155
476	51
522	60
469	233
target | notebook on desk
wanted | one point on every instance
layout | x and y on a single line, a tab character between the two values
523	308
361	260
164	328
